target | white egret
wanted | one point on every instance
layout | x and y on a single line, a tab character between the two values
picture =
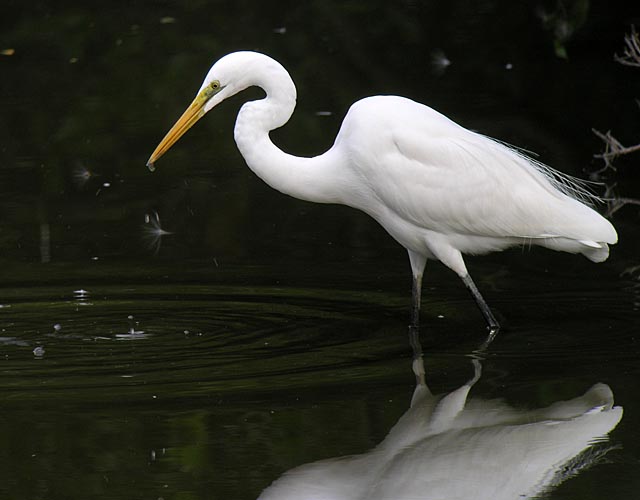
439	189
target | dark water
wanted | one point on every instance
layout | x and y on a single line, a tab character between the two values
264	333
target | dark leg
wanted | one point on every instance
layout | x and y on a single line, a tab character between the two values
418	262
414	331
417	266
492	323
416	294
418	363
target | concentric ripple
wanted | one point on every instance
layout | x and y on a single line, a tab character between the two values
177	342
183	341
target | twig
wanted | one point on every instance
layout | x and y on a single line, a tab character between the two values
617	203
631	56
613	148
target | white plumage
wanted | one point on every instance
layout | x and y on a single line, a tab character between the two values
439	189
458	191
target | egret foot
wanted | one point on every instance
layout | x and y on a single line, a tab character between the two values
492	323
489	339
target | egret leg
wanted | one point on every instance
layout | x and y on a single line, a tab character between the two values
417	365
416	298
492	323
418	263
414	331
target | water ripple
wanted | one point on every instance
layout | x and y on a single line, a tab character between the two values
177	342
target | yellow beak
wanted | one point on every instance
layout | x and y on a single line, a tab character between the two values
193	113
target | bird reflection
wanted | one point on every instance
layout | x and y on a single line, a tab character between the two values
454	447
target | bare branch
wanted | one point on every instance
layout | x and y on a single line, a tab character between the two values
631	55
613	148
617	203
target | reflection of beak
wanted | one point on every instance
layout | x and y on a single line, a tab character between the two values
193	113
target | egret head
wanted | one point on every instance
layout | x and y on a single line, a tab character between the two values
226	77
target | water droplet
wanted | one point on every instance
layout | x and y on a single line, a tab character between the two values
38	352
132	334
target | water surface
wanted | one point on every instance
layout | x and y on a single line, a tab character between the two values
193	334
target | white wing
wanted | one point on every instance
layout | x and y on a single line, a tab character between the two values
439	176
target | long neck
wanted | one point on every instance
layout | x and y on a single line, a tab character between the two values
316	179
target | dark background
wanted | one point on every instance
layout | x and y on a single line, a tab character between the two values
90	91
275	328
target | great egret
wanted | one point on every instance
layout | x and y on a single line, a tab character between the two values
439	189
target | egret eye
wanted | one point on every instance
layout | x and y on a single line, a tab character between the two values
211	89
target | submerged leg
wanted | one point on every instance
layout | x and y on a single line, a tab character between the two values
492	323
417	365
417	267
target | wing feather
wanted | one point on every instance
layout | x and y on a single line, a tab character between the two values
437	175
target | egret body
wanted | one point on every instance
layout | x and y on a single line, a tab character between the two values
439	189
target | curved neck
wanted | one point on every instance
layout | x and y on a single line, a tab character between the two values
314	179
